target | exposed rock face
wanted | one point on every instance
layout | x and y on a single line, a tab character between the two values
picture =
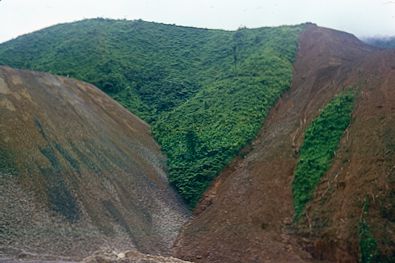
246	216
78	172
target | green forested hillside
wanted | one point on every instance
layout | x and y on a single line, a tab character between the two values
148	67
205	92
202	135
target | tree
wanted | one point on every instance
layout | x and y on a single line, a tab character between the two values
237	44
192	141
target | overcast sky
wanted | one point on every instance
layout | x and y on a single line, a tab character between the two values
360	17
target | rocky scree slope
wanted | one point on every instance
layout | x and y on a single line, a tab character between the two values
247	215
131	256
78	172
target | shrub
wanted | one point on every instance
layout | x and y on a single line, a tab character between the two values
321	141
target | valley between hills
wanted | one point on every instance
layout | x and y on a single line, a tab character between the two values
175	144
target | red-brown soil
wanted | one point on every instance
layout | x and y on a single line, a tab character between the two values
78	173
247	214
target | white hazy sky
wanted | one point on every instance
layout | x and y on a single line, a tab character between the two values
360	17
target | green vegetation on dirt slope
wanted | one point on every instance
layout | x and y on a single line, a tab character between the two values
202	135
368	250
321	141
205	92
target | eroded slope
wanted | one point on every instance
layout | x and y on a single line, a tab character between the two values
247	215
352	214
78	172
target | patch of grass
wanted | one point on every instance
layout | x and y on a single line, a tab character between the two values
60	198
367	244
40	129
118	218
67	156
85	159
321	141
368	250
7	162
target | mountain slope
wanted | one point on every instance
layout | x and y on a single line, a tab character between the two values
149	67
78	172
206	92
247	214
385	42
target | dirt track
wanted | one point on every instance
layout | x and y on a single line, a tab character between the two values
246	216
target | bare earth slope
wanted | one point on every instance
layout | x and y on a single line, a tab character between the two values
247	214
78	172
